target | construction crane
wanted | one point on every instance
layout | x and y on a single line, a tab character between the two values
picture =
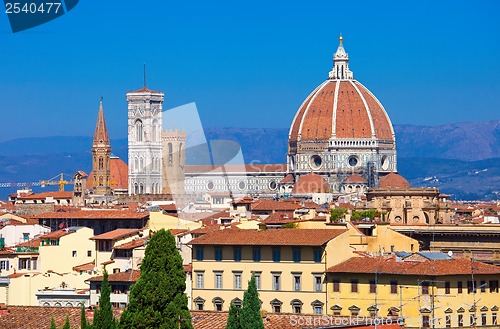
61	182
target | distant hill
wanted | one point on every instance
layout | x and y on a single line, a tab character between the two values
462	159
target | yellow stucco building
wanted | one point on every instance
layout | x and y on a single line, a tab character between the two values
425	289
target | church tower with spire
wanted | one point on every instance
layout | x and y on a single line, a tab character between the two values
101	154
144	141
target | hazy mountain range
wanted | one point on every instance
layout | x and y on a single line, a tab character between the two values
463	159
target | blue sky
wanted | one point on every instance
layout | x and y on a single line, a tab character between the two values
248	64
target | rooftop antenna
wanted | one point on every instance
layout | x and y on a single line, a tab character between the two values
144	75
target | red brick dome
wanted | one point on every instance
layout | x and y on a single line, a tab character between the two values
118	174
341	109
393	180
310	183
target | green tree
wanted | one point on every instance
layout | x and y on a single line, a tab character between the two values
103	317
336	214
83	319
250	317
66	324
52	323
233	321
157	299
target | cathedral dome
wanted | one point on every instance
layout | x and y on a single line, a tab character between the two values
118	175
311	183
339	108
393	180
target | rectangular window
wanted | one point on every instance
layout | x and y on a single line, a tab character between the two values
296	255
425	287
460	320
426	321
459	287
336	285
256	254
237	254
4	264
318	309
276	254
448	321
26	236
34	263
296	282
394	287
354	285
317	254
89	253
218	253
373	287
276	281
318	283
74	253
200	280
482	284
237	281
493	285
24	264
256	275
447	287
218	280
471	286
472	320
277	308
200	253
493	319
103	245
483	319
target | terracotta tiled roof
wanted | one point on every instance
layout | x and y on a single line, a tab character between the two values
128	276
280	217
56	234
254	168
117	234
288	179
355	108
458	266
33	243
131	244
44	195
310	183
393	180
283	237
270	205
355	178
145	90
84	267
168	207
95	214
118	174
177	231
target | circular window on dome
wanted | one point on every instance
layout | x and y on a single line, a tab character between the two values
210	185
273	185
384	163
316	161
353	161
242	185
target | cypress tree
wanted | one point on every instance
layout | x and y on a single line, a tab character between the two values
52	323
233	321
83	319
250	317
157	299
66	324
103	317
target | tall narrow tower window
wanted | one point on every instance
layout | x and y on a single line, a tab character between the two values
170	155
138	130
101	163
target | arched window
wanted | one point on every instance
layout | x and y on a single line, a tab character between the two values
136	164
136	188
141	188
141	165
180	154
153	131
170	155
138	130
101	163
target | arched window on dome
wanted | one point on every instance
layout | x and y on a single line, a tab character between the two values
138	130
